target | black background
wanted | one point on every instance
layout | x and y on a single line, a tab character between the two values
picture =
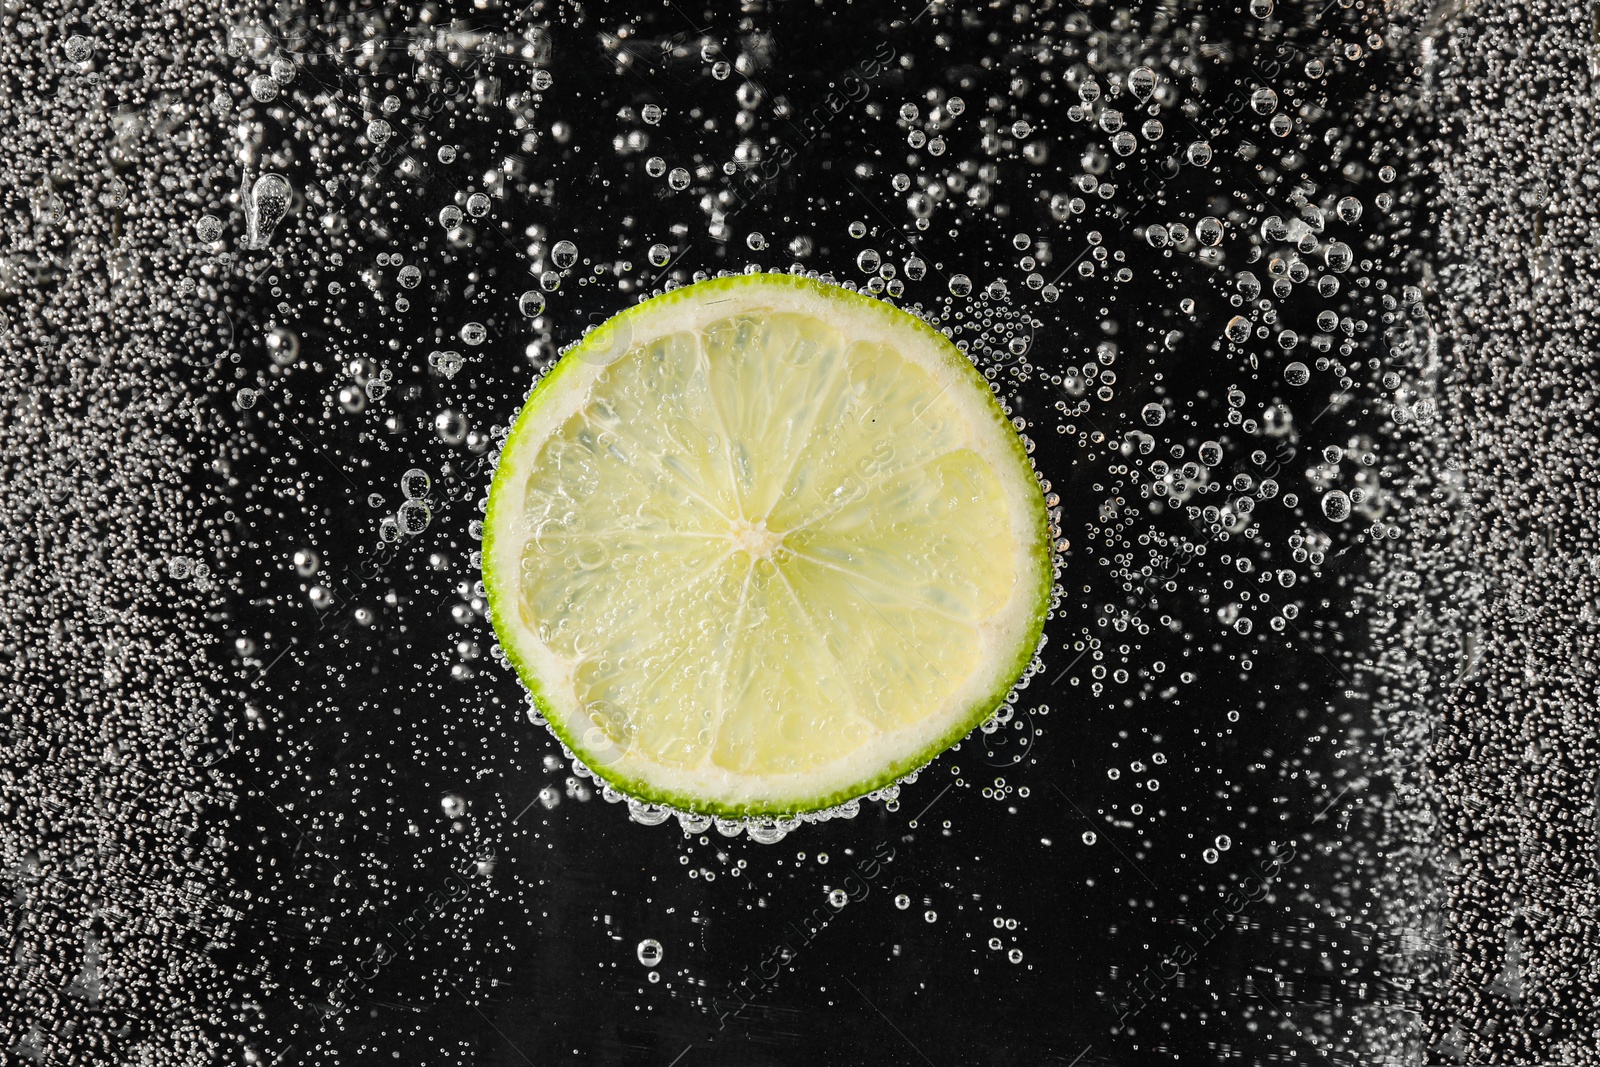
348	735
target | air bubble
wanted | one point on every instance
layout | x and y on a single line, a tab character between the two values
266	206
413	517
415	484
451	426
1141	83
446	363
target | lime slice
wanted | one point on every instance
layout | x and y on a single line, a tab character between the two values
763	545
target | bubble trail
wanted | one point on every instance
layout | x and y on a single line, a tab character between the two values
114	727
1486	613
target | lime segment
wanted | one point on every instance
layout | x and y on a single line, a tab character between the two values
762	545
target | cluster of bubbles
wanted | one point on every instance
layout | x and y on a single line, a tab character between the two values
116	807
1179	247
414	514
1484	617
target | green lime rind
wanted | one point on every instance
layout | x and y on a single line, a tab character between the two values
980	710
